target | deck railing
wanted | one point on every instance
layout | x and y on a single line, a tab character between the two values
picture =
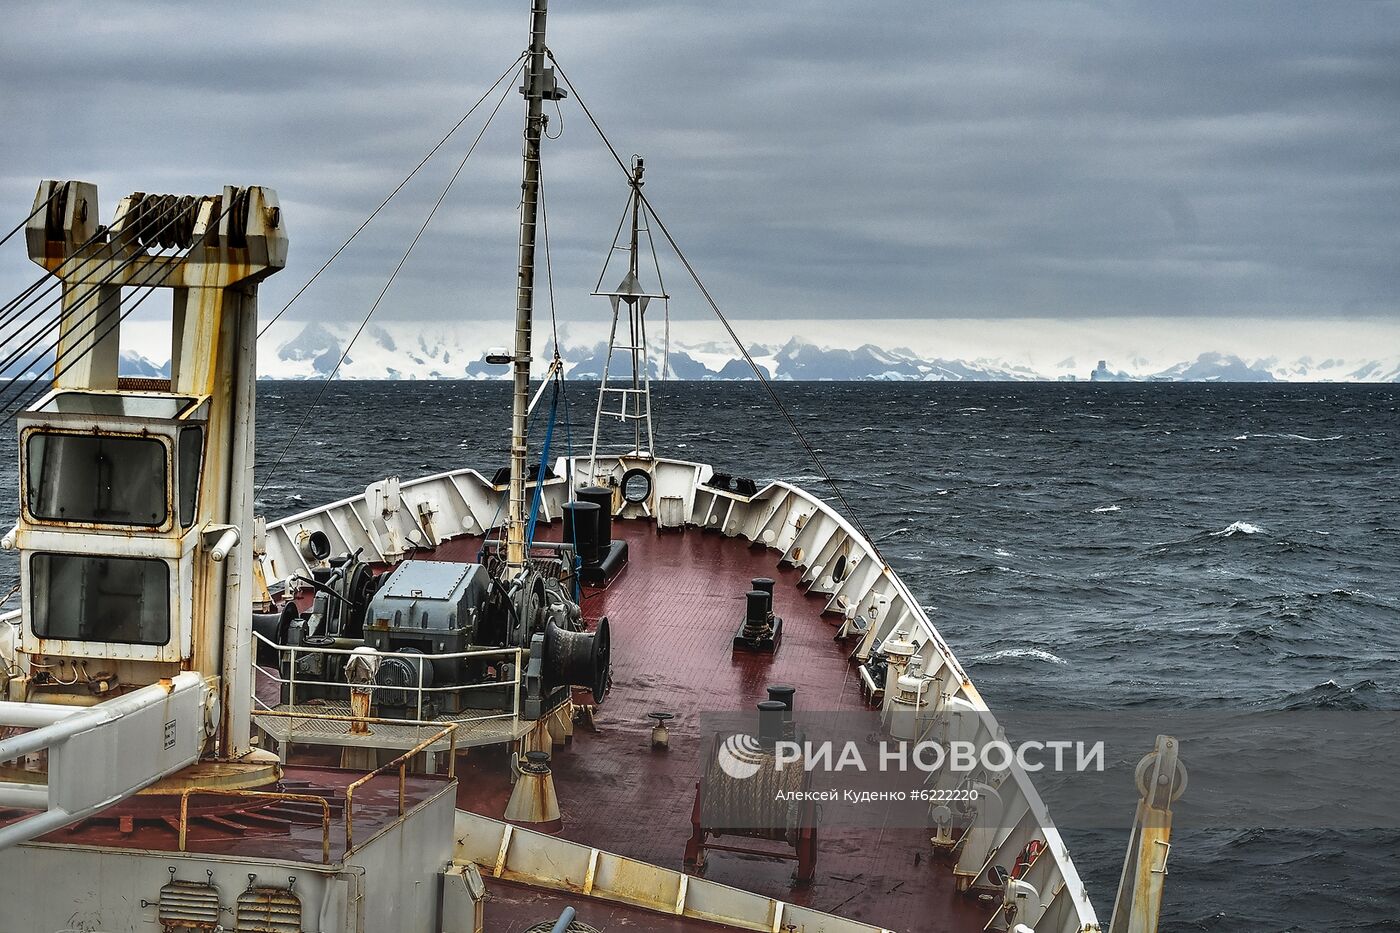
402	762
292	653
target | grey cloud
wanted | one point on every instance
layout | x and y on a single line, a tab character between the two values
815	159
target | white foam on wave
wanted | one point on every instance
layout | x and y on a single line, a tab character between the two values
1024	654
1107	508
1292	437
1238	528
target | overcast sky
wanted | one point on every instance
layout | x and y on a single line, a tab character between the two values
898	159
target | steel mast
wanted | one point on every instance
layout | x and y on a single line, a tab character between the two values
634	398
539	86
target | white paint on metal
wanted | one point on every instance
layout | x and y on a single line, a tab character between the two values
138	738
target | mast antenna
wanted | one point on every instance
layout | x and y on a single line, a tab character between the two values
631	396
539	86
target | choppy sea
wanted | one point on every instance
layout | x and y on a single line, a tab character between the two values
1080	546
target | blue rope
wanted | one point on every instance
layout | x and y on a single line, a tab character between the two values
544	467
569	443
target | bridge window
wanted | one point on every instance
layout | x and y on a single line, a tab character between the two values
96	478
122	600
191	455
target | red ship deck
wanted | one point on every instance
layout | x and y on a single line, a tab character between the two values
673	612
256	827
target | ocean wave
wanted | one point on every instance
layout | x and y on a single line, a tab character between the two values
1293	437
1019	654
1238	528
993	568
1331	695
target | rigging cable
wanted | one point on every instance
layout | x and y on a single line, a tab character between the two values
442	142
714	306
92	314
12	310
150	285
5	311
77	303
137	253
549	269
665	300
172	208
560	392
57	190
286	448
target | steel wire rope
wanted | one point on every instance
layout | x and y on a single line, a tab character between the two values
171	208
12	310
174	209
58	189
325	384
17	354
549	267
714	306
166	271
665	301
560	383
5	309
514	66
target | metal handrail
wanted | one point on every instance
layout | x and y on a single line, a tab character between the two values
401	763
266	795
516	654
478	652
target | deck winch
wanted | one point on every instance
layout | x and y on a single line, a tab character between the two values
427	623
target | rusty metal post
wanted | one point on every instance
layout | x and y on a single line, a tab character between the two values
535	92
1161	780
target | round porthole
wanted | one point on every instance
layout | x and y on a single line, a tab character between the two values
636	486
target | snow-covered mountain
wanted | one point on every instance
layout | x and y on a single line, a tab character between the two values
443	354
40	365
409	350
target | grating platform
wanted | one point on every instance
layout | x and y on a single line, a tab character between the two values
315	729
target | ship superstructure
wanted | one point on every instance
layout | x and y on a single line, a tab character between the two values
370	715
